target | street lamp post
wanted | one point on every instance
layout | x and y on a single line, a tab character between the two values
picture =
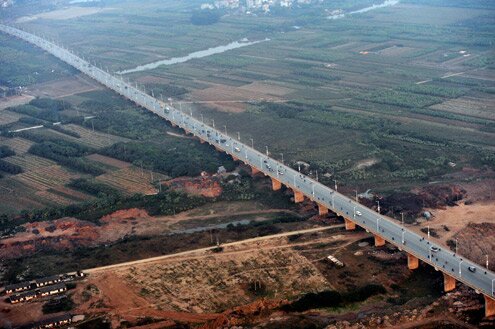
225	129
238	136
356	195
335	181
378	208
213	122
402	215
282	157
266	150
252	143
456	246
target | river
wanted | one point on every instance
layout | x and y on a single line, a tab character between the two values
386	3
197	54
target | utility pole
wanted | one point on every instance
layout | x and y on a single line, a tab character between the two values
225	127
282	157
213	122
252	143
456	246
378	208
238	136
335	186
487	261
316	175
428	231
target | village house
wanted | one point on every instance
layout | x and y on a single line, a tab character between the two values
17	287
48	280
51	290
22	297
41	292
56	321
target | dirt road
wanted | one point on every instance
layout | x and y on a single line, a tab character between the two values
188	252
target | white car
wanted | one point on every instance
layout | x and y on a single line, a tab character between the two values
358	213
237	149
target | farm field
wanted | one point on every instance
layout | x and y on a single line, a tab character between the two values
381	94
132	180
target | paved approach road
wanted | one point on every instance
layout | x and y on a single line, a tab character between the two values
205	249
456	266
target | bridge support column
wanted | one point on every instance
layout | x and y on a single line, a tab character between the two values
349	224
379	241
489	306
448	283
322	210
201	141
298	197
412	262
254	171
276	185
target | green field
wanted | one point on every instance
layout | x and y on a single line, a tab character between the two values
373	99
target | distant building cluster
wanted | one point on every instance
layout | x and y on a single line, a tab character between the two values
6	3
254	5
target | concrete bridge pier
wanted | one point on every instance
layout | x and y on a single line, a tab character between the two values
412	262
298	196
349	225
379	241
254	171
276	185
489	306
448	283
322	210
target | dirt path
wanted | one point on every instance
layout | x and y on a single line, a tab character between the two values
14	101
201	250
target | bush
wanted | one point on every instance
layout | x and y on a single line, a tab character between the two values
92	187
51	104
6	151
175	158
10	168
328	298
63	304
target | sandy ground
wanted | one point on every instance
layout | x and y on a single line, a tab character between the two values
63	87
63	14
471	221
14	101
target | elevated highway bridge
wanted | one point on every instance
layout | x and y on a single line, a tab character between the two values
384	229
